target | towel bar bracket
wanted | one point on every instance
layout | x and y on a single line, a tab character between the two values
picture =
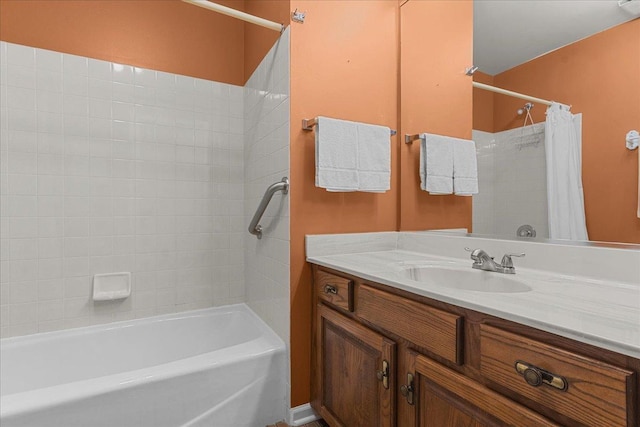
254	227
408	139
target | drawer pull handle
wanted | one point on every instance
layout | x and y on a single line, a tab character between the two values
383	374
330	289
535	376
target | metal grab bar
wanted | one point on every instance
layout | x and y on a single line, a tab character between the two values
254	227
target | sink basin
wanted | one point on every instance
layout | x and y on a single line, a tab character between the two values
468	280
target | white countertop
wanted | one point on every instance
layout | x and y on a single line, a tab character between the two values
594	310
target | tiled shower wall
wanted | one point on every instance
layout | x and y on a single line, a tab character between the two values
512	182
105	168
266	160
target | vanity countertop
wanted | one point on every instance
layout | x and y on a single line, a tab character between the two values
603	312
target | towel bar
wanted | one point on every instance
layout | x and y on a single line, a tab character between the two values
308	124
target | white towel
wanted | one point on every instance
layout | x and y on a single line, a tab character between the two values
638	183
436	164
374	158
465	167
336	154
352	156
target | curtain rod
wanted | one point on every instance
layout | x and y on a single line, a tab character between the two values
237	14
510	93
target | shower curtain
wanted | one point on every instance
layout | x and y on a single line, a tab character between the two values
563	132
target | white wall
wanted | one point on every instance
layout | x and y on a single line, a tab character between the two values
512	181
107	168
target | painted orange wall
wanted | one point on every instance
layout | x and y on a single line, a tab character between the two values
166	35
483	103
599	77
344	62
436	97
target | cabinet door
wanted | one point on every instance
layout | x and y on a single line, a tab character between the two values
354	378
445	398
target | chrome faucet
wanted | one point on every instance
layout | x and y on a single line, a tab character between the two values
482	261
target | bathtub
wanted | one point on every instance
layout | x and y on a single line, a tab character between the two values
213	367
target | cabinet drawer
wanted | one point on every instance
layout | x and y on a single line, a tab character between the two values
335	290
435	330
589	391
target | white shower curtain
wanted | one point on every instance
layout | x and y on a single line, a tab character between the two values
563	144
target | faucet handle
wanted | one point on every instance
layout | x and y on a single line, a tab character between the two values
507	261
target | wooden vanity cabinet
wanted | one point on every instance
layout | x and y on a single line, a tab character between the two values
384	357
353	381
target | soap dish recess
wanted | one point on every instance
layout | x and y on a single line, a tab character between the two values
111	286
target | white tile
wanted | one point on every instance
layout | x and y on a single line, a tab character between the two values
21	98
99	89
21	55
52	206
23	163
19	76
99	69
50	164
50	268
24	270
122	73
75	65
22	184
22	120
50	227
50	248
23	249
22	228
75	84
49	81
49	101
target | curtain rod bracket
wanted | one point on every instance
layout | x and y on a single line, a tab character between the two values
298	16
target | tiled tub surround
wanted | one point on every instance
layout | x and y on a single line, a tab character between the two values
107	167
512	180
266	161
587	293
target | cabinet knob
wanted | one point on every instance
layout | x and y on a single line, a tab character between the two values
330	289
383	374
535	376
406	390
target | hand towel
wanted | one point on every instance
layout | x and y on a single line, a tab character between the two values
638	183
374	158
465	167
436	164
336	154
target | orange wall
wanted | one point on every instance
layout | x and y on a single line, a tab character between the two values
343	64
483	103
166	35
599	77
436	97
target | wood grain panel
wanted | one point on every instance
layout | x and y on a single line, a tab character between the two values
599	394
449	399
351	394
343	298
435	330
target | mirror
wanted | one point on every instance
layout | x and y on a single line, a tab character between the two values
580	53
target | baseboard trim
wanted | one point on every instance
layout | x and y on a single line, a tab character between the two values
301	415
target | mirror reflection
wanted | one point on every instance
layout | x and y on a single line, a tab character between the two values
585	56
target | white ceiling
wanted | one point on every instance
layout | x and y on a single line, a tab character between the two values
507	33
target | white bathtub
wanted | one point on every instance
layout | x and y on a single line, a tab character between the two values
215	367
